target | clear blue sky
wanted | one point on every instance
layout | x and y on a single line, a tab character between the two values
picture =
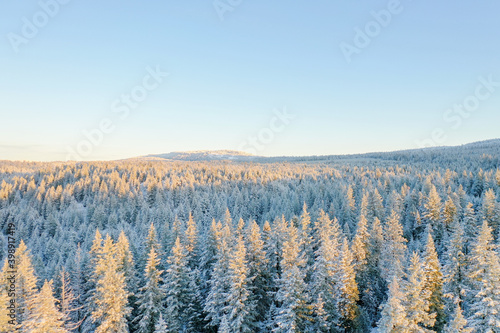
227	76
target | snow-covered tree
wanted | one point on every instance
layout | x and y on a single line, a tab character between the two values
417	297
111	295
216	301
455	266
150	296
457	324
26	289
240	311
491	209
325	286
484	275
433	282
161	325
44	316
259	278
177	288
394	317
69	302
293	312
393	250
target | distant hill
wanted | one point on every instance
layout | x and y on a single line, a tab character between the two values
204	155
488	150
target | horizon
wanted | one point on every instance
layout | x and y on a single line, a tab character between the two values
153	155
270	79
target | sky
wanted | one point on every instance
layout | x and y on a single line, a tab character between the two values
105	80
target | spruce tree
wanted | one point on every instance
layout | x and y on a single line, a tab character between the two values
216	301
393	250
455	266
457	324
161	325
111	295
325	284
394	317
434	283
177	288
26	289
258	272
240	311
293	312
484	276
150	296
417	297
44	316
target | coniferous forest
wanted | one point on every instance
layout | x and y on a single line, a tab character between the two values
390	242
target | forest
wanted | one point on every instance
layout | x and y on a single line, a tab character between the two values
389	242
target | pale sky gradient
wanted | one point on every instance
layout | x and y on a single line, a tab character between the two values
227	76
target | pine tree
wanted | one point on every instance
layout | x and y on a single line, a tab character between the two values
293	312
434	283
484	275
394	317
111	295
44	316
458	324
151	295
